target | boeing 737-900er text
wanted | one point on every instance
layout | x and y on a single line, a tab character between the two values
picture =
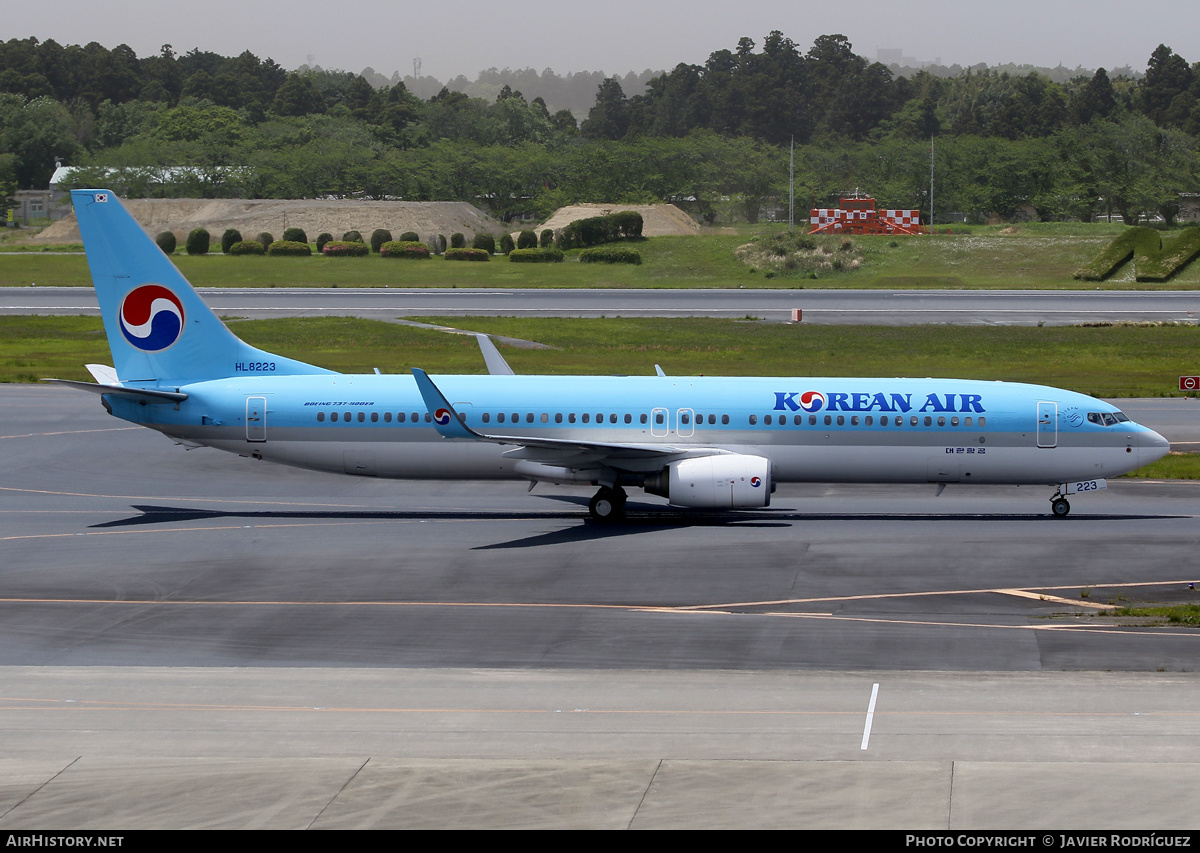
709	442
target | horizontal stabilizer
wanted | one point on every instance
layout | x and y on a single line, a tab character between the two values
151	395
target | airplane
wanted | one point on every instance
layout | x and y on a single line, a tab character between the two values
717	443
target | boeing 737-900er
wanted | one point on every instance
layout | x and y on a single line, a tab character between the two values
708	442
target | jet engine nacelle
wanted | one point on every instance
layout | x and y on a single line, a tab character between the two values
714	482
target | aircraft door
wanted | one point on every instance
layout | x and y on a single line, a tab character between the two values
684	425
1047	424
659	424
256	419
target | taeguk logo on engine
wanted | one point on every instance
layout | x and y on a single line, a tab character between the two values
151	318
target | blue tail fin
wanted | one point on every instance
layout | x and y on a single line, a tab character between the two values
159	330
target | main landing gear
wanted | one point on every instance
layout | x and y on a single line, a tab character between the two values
608	504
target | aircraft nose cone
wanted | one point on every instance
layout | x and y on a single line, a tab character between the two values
1151	447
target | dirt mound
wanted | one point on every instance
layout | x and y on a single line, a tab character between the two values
658	220
252	217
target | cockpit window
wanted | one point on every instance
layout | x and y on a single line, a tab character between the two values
1107	418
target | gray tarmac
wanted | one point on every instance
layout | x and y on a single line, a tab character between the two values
874	307
191	639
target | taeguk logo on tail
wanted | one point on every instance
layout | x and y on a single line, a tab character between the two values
442	416
151	317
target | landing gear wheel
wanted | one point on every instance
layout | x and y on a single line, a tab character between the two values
1060	507
608	504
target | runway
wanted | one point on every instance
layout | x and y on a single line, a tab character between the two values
188	638
871	307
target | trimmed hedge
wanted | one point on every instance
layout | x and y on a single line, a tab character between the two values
380	236
458	241
467	255
352	237
346	249
294	235
410	237
198	241
266	239
1120	250
231	236
536	256
486	242
247	247
610	255
166	242
1169	259
625	224
323	238
547	239
527	240
404	249
290	248
506	244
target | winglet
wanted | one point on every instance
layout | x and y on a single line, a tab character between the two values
445	420
496	365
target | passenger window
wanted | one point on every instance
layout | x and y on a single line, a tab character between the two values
966	422
571	418
658	418
913	421
753	420
841	420
870	420
954	421
828	420
628	419
982	421
799	420
766	420
387	417
644	418
612	419
558	417
712	420
587	418
415	417
854	420
545	418
374	417
529	417
685	419
428	418
320	417
941	420
724	419
487	418
812	420
500	417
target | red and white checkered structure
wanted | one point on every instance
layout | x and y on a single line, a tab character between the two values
858	215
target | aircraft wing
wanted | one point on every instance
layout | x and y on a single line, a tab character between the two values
448	423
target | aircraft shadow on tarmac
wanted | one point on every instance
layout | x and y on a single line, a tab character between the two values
640	518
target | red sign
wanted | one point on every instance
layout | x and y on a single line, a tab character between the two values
1189	383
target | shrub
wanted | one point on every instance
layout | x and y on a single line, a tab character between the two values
247	247
323	238
506	244
610	255
626	224
527	240
536	256
380	236
166	241
441	244
293	248
1169	258
266	239
346	249
409	237
486	242
294	235
231	236
458	241
467	255
1140	240
547	239
404	249
198	241
352	237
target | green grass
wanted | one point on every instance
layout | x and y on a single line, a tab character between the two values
1173	466
1030	256
1117	361
1176	614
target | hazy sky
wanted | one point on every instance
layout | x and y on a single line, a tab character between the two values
615	36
